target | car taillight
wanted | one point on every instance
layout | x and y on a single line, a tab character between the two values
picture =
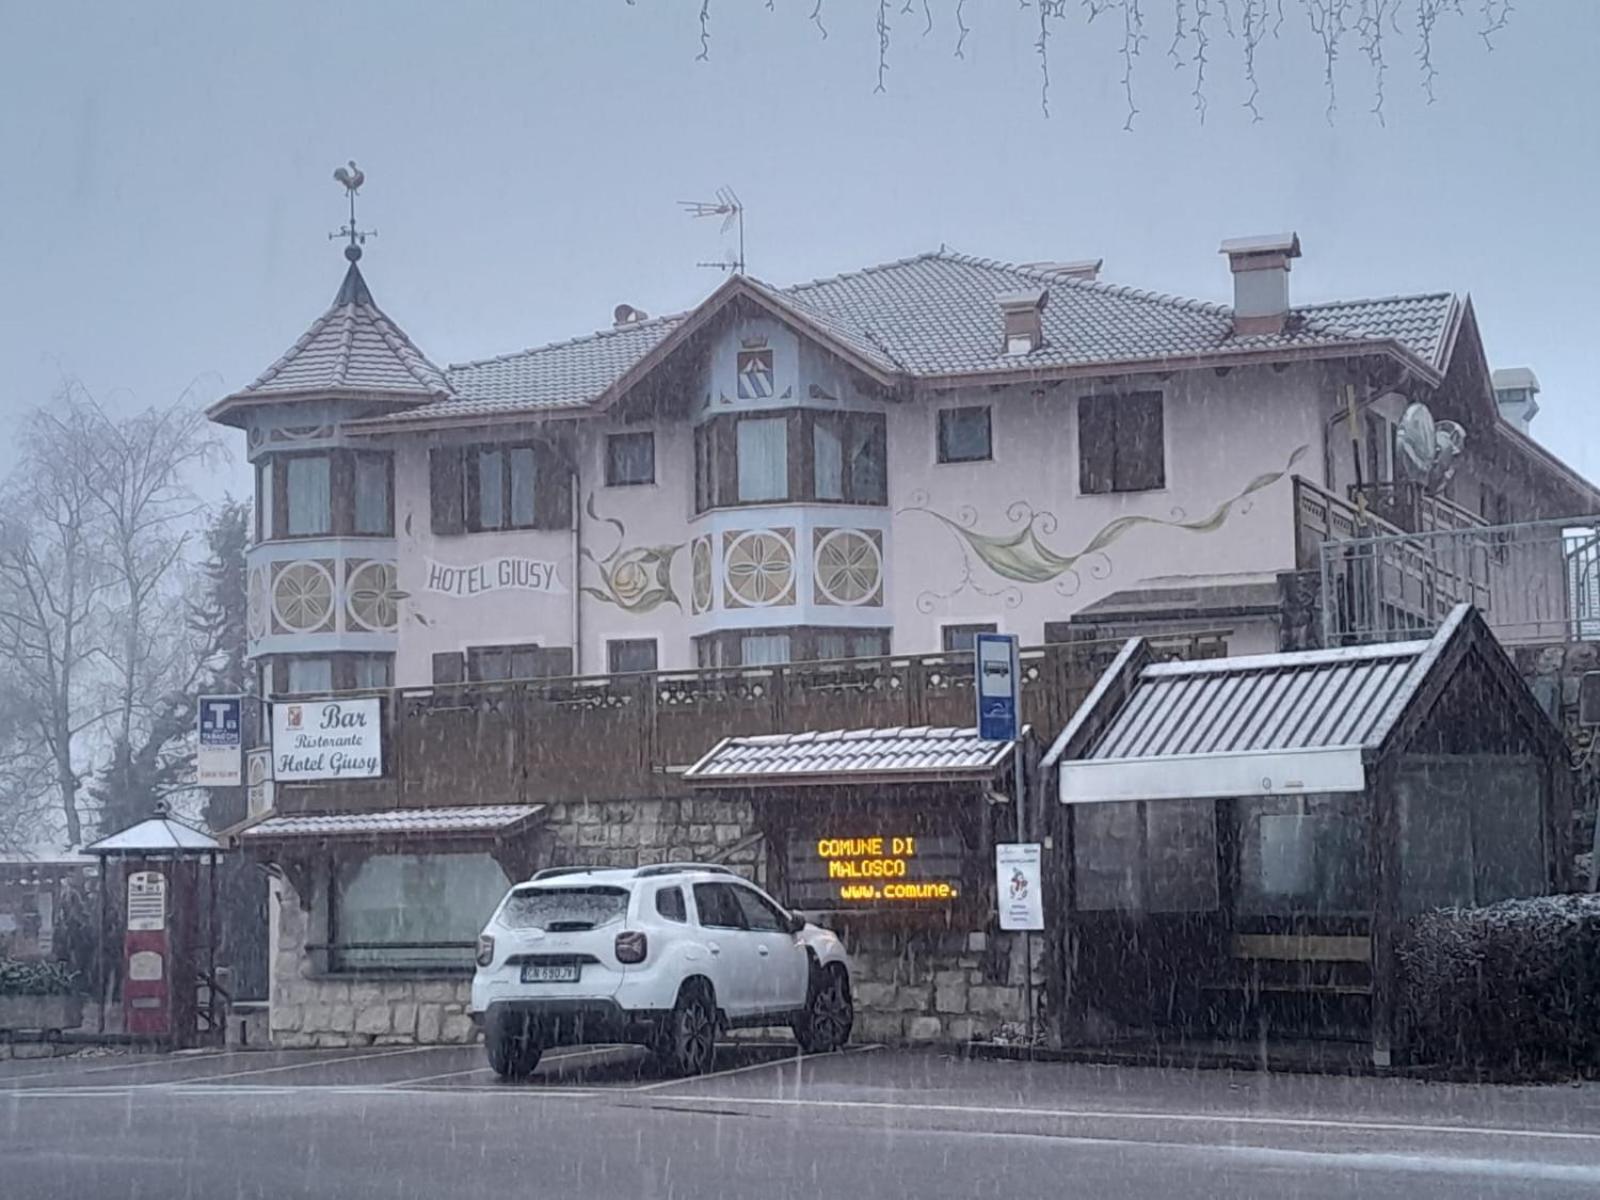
485	949
631	946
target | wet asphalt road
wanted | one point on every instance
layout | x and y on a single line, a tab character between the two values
433	1122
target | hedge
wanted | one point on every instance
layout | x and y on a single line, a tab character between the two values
19	978
1516	984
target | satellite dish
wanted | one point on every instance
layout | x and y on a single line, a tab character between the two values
1428	449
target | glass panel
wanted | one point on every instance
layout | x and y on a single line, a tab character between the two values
831	645
718	906
963	434
869	645
264	528
868	476
525	663
372	671
634	654
373	512
1507	835
1436	868
523	480
491	489
962	639
410	898
764	459
1181	850
763	649
759	916
1302	855
490	663
827	459
310	496
561	910
310	675
670	905
1107	854
630	458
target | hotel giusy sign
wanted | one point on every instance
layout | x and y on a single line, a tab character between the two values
327	739
892	868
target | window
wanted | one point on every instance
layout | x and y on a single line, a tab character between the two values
309	495
487	664
310	675
630	655
630	459
564	909
670	905
963	639
1301	855
964	435
1121	443
760	915
763	459
486	488
795	643
371	671
800	455
449	667
1146	856
763	649
374	511
411	911
718	907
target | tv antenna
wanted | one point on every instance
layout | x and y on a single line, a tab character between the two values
726	206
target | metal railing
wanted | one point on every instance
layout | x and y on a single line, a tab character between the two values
1536	581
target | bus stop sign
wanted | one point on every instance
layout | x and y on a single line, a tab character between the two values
998	685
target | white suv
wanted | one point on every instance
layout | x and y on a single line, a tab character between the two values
664	956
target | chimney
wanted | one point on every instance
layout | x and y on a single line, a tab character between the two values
627	314
1086	269
1516	390
1023	316
1260	267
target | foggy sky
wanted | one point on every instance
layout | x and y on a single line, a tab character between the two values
166	191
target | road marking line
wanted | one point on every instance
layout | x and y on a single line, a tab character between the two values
1177	1118
299	1066
127	1062
547	1058
777	1062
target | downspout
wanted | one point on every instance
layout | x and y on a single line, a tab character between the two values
577	592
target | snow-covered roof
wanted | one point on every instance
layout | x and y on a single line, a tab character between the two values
900	753
467	819
157	835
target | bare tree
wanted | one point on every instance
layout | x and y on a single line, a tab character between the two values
51	584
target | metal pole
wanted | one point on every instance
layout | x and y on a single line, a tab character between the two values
100	939
1020	790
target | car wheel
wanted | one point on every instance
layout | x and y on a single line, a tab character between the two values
829	1014
512	1044
686	1043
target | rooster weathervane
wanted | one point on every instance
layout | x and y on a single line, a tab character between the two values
352	177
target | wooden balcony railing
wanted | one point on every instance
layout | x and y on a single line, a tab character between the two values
605	737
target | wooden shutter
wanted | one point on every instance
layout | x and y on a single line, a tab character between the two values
725	461
552	490
450	667
446	490
1097	442
1141	462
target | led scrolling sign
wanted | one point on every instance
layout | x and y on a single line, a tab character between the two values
877	870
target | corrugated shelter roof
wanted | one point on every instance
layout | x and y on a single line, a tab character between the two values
1267	702
480	819
906	753
353	348
936	315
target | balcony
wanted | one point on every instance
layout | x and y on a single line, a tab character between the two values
604	737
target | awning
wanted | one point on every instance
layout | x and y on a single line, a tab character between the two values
1261	725
903	755
158	836
486	820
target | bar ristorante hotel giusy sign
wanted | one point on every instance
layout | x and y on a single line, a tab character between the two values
327	739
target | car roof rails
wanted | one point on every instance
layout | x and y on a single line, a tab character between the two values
677	868
553	872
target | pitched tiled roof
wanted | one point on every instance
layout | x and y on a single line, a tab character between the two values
805	757
483	818
353	347
935	315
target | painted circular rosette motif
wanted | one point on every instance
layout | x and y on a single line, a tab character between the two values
302	597
849	567
760	568
372	597
701	580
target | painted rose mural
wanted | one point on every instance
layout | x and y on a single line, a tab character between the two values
637	579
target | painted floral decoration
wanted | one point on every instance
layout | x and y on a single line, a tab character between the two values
637	579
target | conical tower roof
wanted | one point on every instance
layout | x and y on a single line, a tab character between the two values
351	351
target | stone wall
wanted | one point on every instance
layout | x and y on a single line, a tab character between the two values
911	984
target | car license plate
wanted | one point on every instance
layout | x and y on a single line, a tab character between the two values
542	973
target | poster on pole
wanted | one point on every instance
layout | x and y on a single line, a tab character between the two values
219	752
998	684
1019	885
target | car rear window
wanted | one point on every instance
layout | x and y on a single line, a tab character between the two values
565	909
